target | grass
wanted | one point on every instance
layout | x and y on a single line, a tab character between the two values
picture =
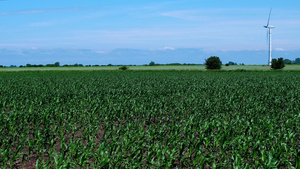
171	67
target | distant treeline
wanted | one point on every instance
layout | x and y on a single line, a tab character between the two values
233	63
152	63
288	61
57	64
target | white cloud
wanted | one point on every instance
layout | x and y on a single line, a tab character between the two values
279	49
168	48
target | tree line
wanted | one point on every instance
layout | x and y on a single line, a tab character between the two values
152	63
57	64
288	61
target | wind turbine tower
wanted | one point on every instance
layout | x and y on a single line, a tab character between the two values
269	36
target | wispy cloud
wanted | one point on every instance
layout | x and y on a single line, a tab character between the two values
167	48
41	24
242	14
36	11
100	51
185	14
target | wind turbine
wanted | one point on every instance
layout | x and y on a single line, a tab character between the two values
269	36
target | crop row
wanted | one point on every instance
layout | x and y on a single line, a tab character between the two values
149	119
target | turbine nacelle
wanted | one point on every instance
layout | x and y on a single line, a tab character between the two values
269	27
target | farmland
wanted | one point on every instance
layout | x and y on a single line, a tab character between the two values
159	67
150	119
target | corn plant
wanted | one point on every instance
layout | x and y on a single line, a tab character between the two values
149	119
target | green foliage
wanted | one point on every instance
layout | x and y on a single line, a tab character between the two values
231	63
152	63
149	119
296	61
56	64
287	61
213	62
277	63
123	68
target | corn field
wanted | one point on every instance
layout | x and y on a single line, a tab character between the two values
150	119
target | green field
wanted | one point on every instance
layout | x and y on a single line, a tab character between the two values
150	119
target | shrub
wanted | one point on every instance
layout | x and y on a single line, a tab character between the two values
213	62
152	63
277	64
124	68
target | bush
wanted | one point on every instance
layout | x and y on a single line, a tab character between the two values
124	68
152	63
277	64
213	62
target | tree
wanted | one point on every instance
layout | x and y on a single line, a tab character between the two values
277	64
152	63
296	61
56	64
287	61
213	62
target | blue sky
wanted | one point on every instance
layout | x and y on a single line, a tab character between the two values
32	30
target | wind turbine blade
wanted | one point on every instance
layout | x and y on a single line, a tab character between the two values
269	17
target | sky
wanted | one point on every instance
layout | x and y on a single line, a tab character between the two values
137	32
